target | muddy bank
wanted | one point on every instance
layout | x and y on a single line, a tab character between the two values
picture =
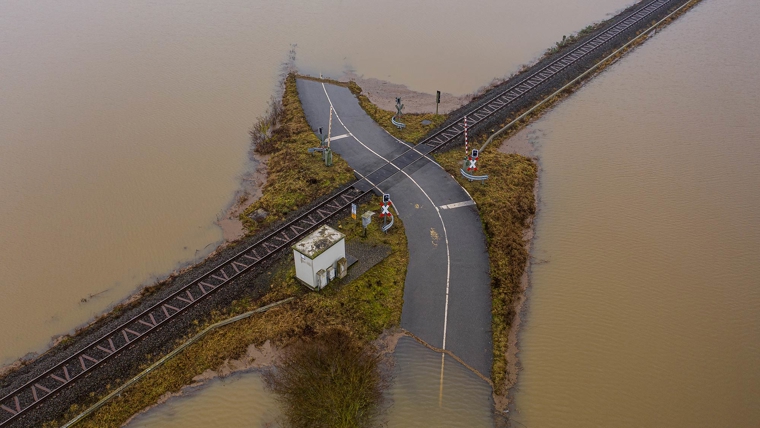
251	189
524	143
383	94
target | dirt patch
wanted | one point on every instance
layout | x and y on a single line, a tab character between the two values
251	189
254	358
387	341
383	94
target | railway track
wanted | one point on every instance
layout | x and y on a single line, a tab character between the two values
46	385
52	381
500	101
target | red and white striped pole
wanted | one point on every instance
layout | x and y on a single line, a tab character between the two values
466	144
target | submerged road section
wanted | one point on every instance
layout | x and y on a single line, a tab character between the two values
447	300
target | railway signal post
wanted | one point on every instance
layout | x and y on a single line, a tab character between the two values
385	212
472	161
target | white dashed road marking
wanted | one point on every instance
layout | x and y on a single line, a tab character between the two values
457	205
338	137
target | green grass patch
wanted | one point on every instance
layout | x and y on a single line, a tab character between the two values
506	204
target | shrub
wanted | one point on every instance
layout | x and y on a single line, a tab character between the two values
331	380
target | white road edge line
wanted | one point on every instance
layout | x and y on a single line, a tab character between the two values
438	211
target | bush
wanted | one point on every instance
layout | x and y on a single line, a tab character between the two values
331	380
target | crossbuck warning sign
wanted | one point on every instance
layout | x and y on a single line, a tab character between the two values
385	206
472	161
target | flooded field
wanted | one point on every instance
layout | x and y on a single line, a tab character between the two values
644	308
417	398
237	401
123	125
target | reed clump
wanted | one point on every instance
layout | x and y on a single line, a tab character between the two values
333	380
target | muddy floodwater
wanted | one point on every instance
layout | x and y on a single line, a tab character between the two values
237	401
417	398
644	307
123	125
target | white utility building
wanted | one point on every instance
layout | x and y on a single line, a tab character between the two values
320	257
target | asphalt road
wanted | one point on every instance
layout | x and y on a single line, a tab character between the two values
447	300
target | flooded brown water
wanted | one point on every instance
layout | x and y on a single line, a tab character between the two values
237	401
416	398
123	125
644	309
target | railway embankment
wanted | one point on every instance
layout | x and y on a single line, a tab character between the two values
296	183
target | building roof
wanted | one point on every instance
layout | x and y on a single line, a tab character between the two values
318	241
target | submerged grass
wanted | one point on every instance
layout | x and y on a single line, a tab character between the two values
506	203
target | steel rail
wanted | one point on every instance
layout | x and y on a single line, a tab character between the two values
529	83
97	352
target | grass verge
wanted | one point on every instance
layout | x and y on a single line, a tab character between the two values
506	203
295	177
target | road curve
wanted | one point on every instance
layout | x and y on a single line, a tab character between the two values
447	300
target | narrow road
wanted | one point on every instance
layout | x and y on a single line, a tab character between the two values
447	300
